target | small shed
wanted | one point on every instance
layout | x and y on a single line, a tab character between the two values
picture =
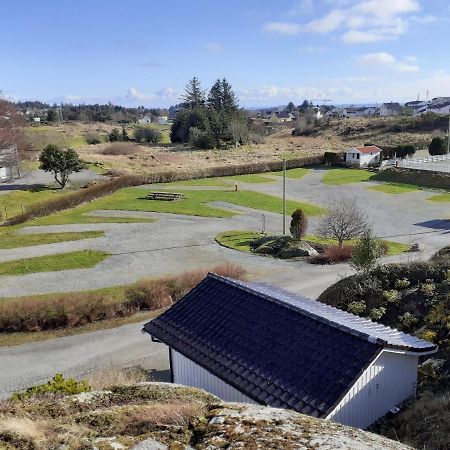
363	156
255	343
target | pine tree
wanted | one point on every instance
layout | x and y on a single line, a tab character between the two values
215	96
229	100
194	95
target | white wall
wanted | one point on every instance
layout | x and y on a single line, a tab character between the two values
188	373
363	160
388	381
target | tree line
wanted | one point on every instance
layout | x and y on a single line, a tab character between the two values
210	119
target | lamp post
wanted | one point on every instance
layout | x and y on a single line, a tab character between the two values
284	197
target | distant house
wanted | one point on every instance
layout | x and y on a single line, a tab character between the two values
280	117
363	156
350	112
442	107
390	109
145	120
163	120
254	343
366	111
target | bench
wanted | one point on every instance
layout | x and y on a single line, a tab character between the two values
167	196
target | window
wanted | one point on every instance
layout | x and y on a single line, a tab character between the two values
357	156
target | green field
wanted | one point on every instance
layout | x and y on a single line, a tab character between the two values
393	188
346	176
252	178
15	202
441	198
13	240
240	240
83	259
292	173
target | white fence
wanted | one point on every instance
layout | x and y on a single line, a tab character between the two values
439	163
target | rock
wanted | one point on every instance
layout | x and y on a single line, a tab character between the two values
414	248
150	444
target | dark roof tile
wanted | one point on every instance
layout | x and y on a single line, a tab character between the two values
277	348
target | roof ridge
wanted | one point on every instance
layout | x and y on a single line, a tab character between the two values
371	325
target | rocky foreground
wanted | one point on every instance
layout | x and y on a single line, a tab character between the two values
151	416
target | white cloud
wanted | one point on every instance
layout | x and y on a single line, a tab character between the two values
365	21
214	47
287	28
386	59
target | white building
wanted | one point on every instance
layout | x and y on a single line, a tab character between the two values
163	120
363	156
390	109
145	120
255	343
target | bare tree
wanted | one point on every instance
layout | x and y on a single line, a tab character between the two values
9	121
239	132
343	220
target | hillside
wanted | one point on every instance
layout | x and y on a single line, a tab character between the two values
164	416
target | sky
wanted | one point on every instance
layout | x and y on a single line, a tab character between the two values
142	52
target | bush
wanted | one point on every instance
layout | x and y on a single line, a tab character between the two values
366	253
121	148
402	283
356	307
92	138
391	296
28	314
148	135
115	135
57	385
201	139
336	254
332	158
438	146
299	224
425	178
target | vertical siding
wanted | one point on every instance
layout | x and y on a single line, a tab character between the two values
388	381
189	373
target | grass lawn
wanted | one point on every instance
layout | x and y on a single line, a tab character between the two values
237	240
240	240
252	178
441	198
13	240
346	176
219	182
393	248
11	204
298	173
83	259
194	203
393	188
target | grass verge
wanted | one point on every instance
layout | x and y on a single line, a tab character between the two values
252	178
346	176
240	240
440	198
51	263
13	240
393	188
292	173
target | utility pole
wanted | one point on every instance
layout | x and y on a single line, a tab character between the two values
284	197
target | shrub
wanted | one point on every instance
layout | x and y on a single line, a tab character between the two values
121	148
336	254
201	139
115	135
403	283
299	224
28	314
57	385
366	253
92	138
438	146
391	296
428	335
256	138
356	307
442	256
427	289
408	320
377	313
147	134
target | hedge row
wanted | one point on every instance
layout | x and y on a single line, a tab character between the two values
108	187
425	178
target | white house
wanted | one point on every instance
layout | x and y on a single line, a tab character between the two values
145	120
442	108
256	343
366	111
163	120
363	156
390	109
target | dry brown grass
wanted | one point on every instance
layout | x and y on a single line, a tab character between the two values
30	314
121	148
116	376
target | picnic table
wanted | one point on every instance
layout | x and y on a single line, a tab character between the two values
168	196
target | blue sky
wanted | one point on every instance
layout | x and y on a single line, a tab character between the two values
142	52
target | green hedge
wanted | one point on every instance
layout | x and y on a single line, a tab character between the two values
425	178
